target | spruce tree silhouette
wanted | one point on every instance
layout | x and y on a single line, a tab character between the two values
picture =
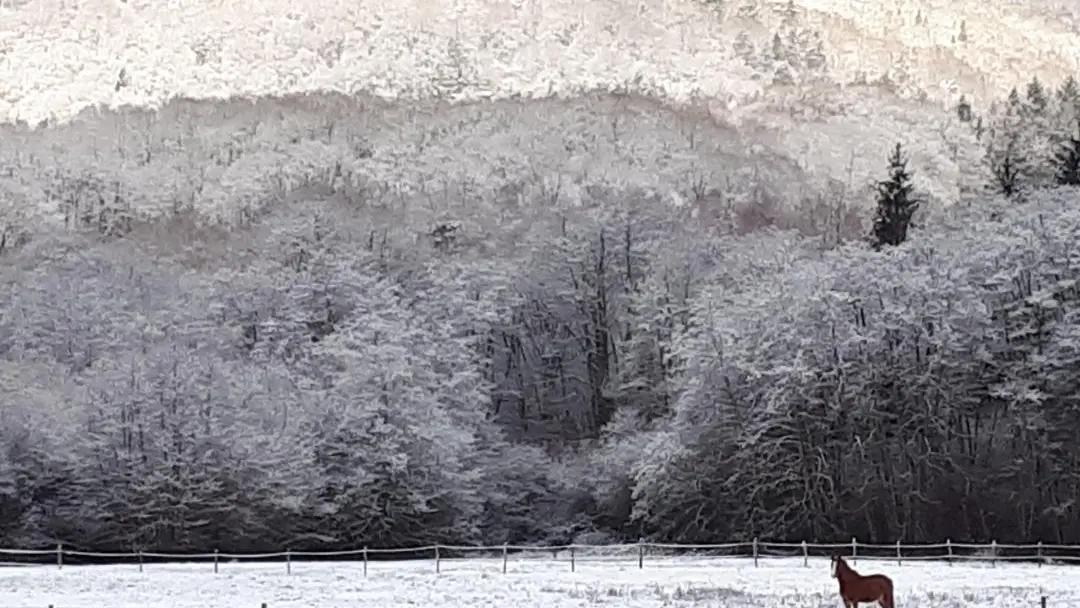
896	204
1006	171
1067	160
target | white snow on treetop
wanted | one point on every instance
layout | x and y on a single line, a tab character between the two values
59	56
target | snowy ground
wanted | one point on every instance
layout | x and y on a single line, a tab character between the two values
529	583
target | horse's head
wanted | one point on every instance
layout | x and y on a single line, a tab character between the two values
836	562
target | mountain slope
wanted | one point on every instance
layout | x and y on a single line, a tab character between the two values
57	56
893	72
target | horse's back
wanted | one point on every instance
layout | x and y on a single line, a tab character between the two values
871	588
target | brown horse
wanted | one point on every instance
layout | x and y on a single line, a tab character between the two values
856	589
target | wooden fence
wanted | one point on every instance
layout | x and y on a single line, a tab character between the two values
754	550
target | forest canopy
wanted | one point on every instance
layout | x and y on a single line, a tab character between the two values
295	347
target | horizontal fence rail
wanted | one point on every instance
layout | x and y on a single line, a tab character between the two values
755	550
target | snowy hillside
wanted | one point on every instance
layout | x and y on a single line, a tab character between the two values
888	71
57	56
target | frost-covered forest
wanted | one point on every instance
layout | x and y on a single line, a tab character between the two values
319	322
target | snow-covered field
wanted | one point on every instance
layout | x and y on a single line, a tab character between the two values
528	583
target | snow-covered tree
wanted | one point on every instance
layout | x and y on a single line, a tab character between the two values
896	203
1067	160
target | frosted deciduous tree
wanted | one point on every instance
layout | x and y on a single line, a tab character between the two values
399	419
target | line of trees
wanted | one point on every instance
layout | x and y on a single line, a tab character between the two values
1034	142
1032	138
330	372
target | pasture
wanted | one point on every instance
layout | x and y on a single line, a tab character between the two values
530	583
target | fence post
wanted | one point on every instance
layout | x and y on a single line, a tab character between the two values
854	549
573	560
805	555
948	549
899	555
365	562
215	561
288	561
993	553
59	555
504	557
1040	556
1042	602
755	551
641	553
438	567
140	560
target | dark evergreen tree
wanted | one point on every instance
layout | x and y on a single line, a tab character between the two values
896	203
1069	92
778	51
744	48
1015	103
1068	102
1037	101
1038	134
1067	161
814	55
790	14
1018	149
1006	170
963	109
